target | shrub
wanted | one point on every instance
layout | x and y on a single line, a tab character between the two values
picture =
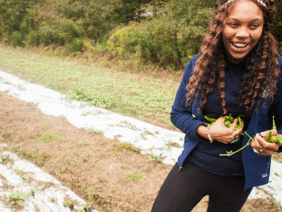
17	38
277	26
165	40
76	45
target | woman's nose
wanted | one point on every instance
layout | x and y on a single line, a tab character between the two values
242	32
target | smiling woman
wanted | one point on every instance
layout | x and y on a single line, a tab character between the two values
237	72
242	31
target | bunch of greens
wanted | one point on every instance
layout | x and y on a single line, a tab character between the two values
273	139
228	121
270	138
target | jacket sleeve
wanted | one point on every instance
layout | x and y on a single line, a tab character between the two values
181	116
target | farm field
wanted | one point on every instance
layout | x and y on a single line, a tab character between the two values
104	172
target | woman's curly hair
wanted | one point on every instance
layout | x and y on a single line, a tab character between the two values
262	64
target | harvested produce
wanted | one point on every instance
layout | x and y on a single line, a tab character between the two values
273	139
228	121
270	138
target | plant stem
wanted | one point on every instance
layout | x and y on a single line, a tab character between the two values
247	144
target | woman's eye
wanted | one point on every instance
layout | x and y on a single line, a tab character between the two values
254	26
233	24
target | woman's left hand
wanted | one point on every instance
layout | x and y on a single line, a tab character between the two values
262	147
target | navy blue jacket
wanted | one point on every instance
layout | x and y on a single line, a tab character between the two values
256	168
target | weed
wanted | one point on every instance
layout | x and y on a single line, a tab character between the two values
80	143
153	157
116	137
95	99
90	193
33	155
17	198
98	132
92	196
133	176
174	144
70	203
129	146
4	159
22	175
20	87
49	137
271	199
32	192
143	136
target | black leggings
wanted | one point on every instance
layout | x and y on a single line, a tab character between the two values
182	191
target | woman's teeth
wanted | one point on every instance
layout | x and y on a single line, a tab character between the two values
238	45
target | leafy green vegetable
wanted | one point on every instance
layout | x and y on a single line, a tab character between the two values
211	120
228	121
273	139
270	138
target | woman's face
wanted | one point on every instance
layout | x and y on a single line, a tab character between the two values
242	30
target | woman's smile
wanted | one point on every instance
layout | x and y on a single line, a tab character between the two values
242	30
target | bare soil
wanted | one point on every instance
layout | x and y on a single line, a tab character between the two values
102	171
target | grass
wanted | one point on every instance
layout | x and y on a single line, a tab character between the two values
4	159
17	198
131	94
129	146
133	176
153	157
49	137
23	176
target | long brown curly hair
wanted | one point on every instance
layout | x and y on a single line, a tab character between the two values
262	64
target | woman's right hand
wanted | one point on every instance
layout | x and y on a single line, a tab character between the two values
223	134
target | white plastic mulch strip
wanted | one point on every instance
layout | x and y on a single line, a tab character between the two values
39	190
149	138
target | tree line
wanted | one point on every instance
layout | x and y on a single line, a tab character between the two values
162	32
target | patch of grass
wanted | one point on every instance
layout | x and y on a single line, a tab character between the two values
133	176
173	144
131	94
33	155
153	157
4	159
98	132
79	144
17	198
32	192
129	146
93	196
23	176
49	137
70	203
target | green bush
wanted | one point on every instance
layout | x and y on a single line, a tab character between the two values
167	40
17	38
76	45
277	26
